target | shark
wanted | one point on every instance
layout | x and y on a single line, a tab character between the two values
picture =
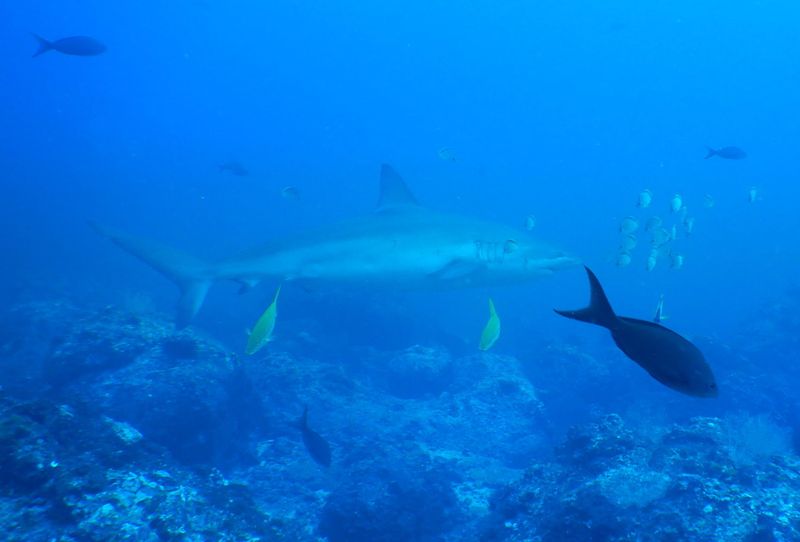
401	245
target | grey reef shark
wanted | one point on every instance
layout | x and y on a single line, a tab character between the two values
401	245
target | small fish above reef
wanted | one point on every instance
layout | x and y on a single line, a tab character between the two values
645	199
623	259
234	168
290	192
652	259
317	447
530	222
661	237
628	243
653	223
446	154
676	203
665	355
728	153
753	195
688	225
73	45
261	333
629	224
491	332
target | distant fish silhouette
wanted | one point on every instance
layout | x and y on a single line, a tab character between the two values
290	192
729	153
318	448
234	168
668	357
74	45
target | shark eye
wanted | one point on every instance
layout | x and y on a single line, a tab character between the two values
510	246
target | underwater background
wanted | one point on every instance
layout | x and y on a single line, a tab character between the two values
558	116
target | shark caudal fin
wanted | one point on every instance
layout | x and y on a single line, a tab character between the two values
710	152
193	276
599	311
44	45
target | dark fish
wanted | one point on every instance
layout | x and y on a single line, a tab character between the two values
74	45
318	448
290	192
729	153
668	357
235	168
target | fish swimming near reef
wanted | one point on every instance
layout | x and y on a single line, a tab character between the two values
261	333
728	153
491	332
234	168
318	448
73	45
402	245
645	198
665	355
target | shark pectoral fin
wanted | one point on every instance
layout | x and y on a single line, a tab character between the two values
457	270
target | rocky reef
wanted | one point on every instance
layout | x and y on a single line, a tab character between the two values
117	427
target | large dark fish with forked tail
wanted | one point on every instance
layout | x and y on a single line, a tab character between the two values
318	448
74	45
668	357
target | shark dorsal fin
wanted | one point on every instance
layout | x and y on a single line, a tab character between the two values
394	192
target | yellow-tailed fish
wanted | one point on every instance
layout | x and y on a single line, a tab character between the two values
676	203
628	243
645	198
491	332
708	201
629	225
261	333
530	222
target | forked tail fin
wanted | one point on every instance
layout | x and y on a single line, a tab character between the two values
710	152
192	275
599	311
44	45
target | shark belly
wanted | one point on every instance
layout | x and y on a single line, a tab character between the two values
370	260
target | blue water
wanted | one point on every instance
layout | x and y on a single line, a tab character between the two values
563	110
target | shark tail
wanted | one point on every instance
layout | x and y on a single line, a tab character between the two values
192	275
301	423
599	311
44	45
710	152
